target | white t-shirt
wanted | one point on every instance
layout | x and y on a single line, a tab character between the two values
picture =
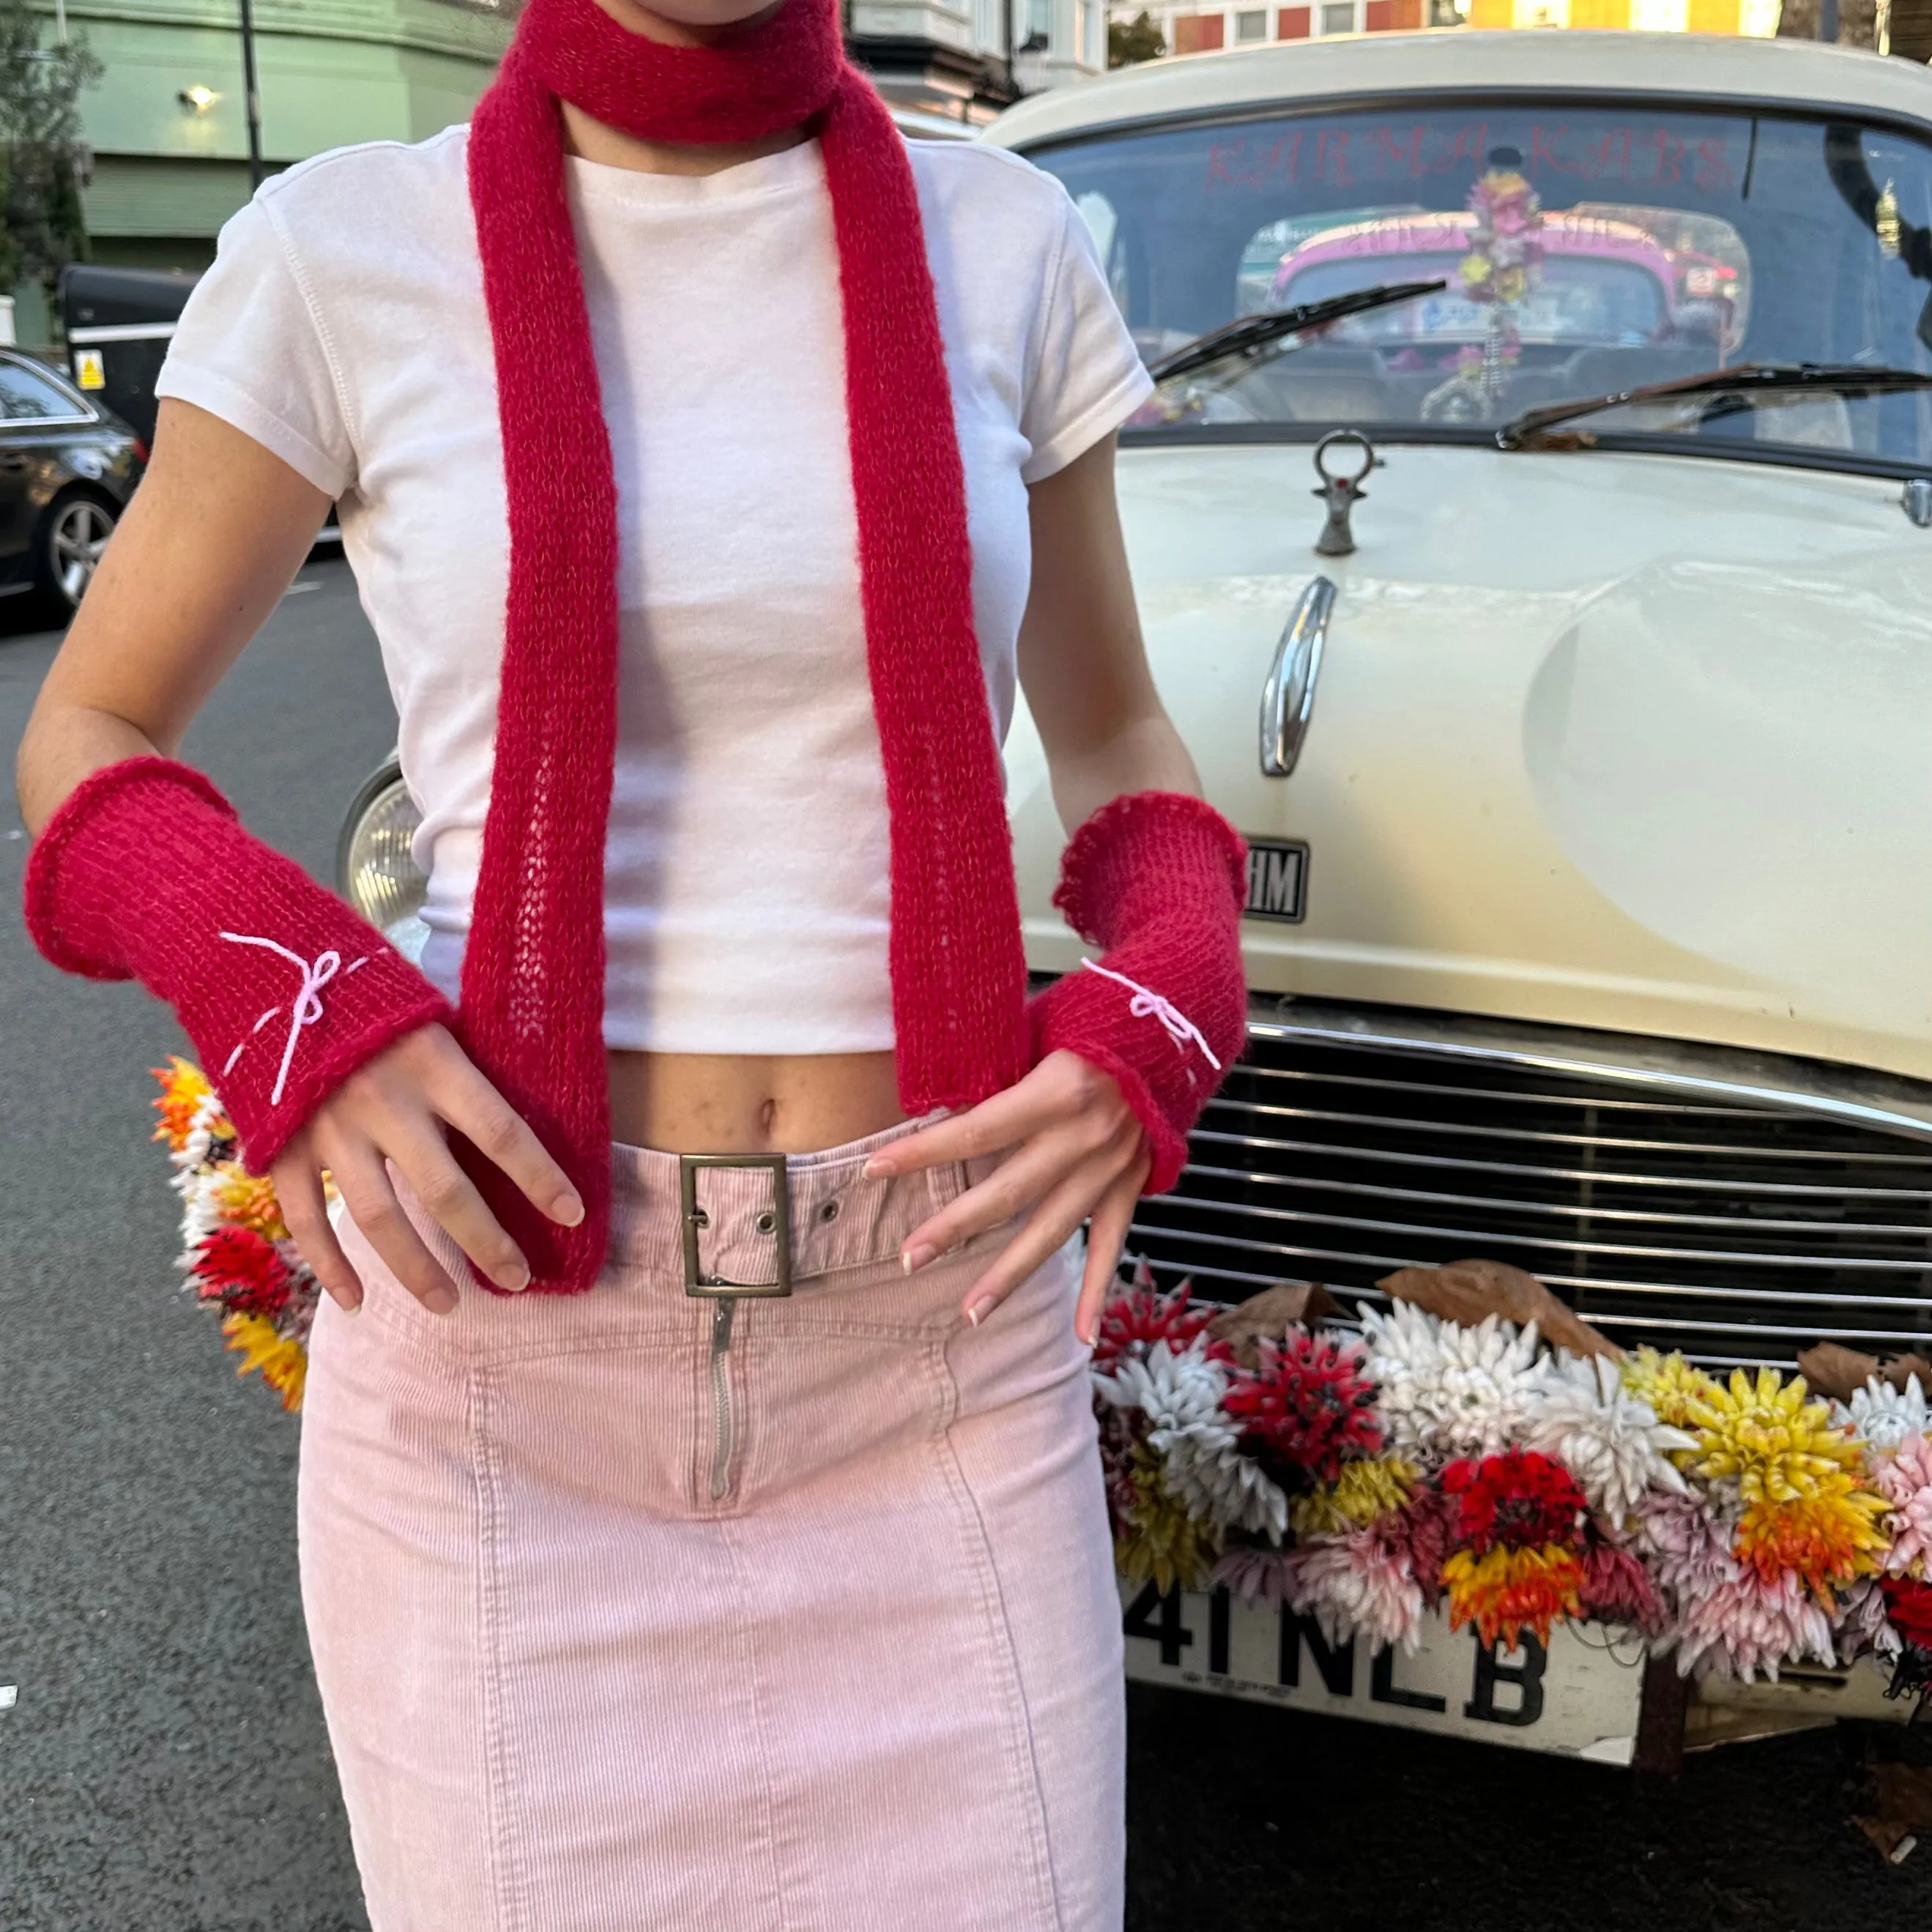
343	326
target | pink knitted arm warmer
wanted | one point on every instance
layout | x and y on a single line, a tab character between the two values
1158	880
144	873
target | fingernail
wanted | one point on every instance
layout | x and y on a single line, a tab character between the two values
350	1307
569	1212
973	1315
440	1300
878	1166
976	1312
514	1278
913	1259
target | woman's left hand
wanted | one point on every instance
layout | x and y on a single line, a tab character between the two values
1078	1154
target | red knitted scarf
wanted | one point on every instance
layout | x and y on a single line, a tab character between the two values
533	973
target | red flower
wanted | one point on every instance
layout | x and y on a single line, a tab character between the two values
1136	1318
1426	1532
1309	1406
1518	1500
243	1271
1908	1602
1617	1588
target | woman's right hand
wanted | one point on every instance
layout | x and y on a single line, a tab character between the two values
393	1112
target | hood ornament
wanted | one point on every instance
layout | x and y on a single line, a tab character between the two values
1340	494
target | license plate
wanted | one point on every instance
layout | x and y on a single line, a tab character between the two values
1277	880
1578	1696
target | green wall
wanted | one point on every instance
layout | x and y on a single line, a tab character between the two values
166	175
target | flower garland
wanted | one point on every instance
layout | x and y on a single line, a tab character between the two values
235	1249
1445	1456
1441	1459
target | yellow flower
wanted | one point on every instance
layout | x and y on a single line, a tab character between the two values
1670	1385
283	1363
249	1199
1162	1541
1510	1591
1474	271
1832	1536
1766	1433
1364	1491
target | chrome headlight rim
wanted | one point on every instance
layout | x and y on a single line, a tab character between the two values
374	871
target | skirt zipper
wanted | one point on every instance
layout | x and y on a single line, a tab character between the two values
722	1310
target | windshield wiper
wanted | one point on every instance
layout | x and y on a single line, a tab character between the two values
1249	335
1533	430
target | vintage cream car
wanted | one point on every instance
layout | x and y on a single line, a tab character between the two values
1585	748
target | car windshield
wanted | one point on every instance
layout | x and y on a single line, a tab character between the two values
1586	250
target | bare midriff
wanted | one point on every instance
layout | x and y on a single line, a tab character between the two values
738	1103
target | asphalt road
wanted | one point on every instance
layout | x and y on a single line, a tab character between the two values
165	1768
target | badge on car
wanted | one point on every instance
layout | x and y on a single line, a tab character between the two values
1277	880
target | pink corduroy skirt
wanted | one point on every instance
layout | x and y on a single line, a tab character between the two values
815	1632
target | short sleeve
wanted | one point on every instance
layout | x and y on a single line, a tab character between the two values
249	350
1087	378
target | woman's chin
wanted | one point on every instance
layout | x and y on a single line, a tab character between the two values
680	20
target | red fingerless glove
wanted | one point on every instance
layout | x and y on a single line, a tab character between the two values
144	873
1158	880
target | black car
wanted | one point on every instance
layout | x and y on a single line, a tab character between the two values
67	470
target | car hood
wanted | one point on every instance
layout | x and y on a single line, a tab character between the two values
1635	743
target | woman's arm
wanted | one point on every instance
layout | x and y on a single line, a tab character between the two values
1082	664
215	533
1079	1154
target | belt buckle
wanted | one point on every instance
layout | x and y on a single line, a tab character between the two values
692	1217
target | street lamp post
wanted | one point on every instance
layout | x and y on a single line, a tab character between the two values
252	98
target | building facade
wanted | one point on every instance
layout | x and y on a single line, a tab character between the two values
1191	28
167	122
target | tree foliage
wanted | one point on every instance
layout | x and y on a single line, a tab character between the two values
42	225
1138	39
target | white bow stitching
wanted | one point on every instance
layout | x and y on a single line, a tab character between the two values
1147	1005
307	1008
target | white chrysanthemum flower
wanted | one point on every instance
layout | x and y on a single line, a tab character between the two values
1884	1416
201	1207
199	1141
1203	1466
1448	1391
1608	1439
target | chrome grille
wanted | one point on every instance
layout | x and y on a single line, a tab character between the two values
1733	1229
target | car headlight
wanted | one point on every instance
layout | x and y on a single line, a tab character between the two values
374	871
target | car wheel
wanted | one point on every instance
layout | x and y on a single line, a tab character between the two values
75	534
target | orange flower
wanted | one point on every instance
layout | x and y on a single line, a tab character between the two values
1509	1591
184	1088
1827	1539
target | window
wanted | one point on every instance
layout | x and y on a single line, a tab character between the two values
1251	26
1583	249
1197	33
1338	17
1039	26
25	396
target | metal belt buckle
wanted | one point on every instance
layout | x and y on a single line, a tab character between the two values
694	1218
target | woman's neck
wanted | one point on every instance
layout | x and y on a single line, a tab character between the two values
595	141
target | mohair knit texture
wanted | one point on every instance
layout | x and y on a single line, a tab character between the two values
1158	880
143	869
138	875
533	969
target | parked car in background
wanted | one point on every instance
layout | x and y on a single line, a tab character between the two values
1579	731
67	468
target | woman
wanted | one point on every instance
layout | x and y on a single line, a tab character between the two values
751	1570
